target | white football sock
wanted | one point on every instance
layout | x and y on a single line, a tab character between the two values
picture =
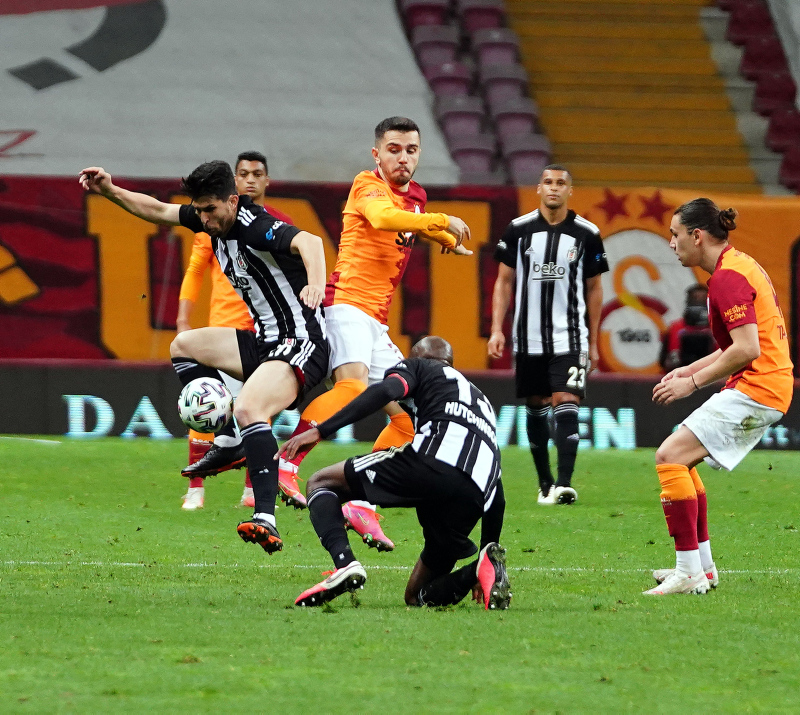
705	555
688	562
265	517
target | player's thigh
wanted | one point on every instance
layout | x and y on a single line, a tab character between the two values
567	374
681	447
531	378
385	355
214	347
269	390
351	334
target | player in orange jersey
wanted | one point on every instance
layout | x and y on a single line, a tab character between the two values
754	356
384	214
227	310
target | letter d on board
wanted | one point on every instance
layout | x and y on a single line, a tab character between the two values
76	416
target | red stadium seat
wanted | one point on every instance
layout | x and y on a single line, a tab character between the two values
790	169
435	44
749	18
474	153
450	78
519	115
502	82
498	46
784	130
460	116
480	14
761	55
424	12
775	90
526	156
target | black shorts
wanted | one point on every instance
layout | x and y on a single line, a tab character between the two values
542	375
448	503
308	358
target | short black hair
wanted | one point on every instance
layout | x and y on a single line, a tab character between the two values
704	214
397	124
555	167
214	178
251	156
433	347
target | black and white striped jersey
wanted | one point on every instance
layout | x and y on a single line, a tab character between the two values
256	257
454	421
552	265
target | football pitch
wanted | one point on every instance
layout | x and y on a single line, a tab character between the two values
114	600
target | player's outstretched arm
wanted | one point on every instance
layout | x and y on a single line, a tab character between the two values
97	180
312	252
501	299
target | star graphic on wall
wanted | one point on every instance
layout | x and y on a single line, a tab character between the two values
613	205
655	207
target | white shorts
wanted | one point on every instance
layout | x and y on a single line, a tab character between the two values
354	336
729	424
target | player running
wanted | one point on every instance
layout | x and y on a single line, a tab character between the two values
753	354
279	272
384	214
450	473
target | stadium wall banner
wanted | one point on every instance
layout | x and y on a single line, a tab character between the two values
82	279
85	399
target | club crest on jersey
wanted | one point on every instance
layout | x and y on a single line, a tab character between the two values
240	261
572	254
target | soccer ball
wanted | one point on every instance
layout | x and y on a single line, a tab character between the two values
205	404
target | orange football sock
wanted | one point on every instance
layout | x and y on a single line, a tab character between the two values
326	405
199	444
679	501
399	431
702	506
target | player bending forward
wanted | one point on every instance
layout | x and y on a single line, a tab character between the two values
449	472
753	354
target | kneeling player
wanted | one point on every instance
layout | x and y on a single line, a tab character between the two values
450	473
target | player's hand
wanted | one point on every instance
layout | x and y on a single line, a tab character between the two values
594	357
666	392
459	229
496	345
477	594
296	443
95	180
458	250
312	295
677	372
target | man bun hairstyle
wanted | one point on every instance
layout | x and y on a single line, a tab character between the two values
214	178
706	215
397	124
252	156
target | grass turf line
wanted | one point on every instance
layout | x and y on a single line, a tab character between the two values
82	631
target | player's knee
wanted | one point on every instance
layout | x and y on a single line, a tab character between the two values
245	413
330	479
664	455
178	347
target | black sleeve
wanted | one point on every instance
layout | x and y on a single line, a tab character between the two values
595	261
408	372
189	218
369	401
268	233
506	249
492	521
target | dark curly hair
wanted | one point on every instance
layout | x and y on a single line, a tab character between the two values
214	178
706	215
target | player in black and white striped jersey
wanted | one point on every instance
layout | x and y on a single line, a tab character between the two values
553	259
450	472
279	272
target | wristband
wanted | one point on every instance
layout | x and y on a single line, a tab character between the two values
694	383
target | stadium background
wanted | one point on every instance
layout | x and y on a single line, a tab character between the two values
133	86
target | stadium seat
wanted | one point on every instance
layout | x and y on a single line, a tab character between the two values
526	155
502	82
460	116
484	178
480	14
450	78
749	18
474	153
515	116
497	46
774	90
761	55
424	12
789	173
435	44
784	129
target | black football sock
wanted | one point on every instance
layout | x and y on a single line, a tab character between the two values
189	370
260	448
325	510
538	427
449	589
567	439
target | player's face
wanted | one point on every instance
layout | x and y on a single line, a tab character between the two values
555	188
251	179
396	155
217	215
684	244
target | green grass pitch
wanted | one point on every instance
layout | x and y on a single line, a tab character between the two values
114	600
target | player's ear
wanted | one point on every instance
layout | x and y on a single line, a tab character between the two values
375	155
